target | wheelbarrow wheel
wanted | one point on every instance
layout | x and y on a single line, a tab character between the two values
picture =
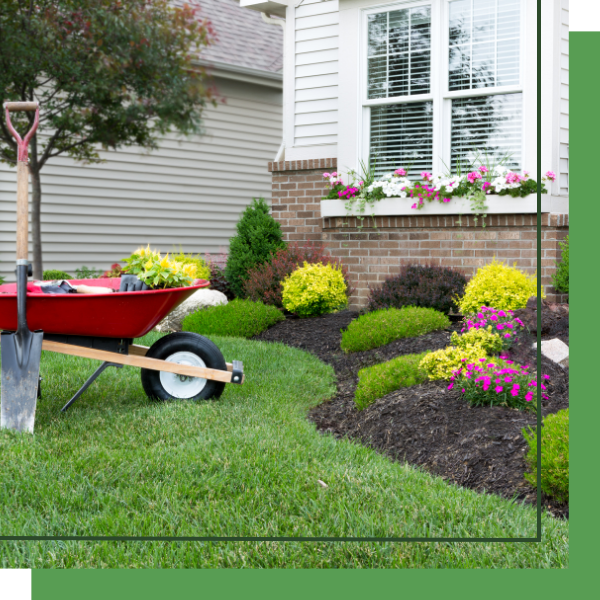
188	349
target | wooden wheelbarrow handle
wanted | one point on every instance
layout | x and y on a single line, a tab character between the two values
19	106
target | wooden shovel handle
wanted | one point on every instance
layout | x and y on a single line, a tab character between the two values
19	106
22	210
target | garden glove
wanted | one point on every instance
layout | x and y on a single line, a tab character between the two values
131	283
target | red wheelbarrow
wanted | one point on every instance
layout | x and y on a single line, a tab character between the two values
99	326
181	365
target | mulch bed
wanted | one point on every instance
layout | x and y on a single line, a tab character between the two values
427	425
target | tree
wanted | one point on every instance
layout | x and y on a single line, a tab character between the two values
105	73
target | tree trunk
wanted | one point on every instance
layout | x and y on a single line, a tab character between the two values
36	232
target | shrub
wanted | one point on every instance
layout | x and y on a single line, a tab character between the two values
555	455
115	271
202	268
442	364
239	318
384	326
54	274
500	286
85	273
560	280
258	236
377	381
314	290
419	285
219	282
498	382
265	281
1	280
489	341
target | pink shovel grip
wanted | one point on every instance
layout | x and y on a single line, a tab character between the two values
23	144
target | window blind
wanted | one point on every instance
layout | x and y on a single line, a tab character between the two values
402	136
487	126
484	40
399	52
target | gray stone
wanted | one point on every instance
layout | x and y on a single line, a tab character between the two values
557	351
198	300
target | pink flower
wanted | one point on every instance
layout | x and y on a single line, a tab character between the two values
512	177
528	396
501	313
551	175
485	185
494	318
414	205
544	376
400	172
507	335
514	392
463	390
498	389
326	174
450	386
361	183
507	380
426	176
479	315
472	177
483	169
500	327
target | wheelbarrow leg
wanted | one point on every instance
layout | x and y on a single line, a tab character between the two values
89	382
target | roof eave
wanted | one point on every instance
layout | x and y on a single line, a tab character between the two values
240	73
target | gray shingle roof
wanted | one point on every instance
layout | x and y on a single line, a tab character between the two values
242	38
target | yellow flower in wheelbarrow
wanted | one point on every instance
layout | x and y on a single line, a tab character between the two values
165	263
190	271
148	265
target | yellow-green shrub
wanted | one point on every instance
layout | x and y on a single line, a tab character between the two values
442	363
499	286
202	268
490	342
314	289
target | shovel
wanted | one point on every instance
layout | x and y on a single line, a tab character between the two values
21	351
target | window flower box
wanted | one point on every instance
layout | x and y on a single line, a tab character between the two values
496	204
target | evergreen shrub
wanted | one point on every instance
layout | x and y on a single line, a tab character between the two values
258	236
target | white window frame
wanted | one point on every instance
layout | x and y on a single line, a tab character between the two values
439	94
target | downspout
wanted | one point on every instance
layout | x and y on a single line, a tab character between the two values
267	19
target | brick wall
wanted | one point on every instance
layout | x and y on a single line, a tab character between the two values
377	249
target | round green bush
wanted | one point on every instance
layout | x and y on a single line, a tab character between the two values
258	237
239	318
555	455
384	326
53	275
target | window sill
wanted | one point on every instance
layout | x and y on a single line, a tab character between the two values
497	205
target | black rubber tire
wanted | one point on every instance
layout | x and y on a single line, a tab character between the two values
184	341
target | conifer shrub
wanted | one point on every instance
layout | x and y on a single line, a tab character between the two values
238	318
55	274
381	327
560	280
265	281
313	290
498	285
555	455
258	236
377	381
419	285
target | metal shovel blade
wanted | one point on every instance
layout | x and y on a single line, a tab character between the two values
21	353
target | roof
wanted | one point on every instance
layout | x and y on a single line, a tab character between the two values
243	39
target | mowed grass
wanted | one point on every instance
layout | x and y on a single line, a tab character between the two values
117	464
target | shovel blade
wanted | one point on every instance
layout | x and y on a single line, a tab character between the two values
21	354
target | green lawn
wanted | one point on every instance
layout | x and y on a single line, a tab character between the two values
247	465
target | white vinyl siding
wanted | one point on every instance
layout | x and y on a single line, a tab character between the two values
316	72
189	192
564	99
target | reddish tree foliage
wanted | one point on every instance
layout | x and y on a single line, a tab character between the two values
264	281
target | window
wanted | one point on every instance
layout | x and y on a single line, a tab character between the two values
442	85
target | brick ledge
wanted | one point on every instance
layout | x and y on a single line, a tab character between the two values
302	165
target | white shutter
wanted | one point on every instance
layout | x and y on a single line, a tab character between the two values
399	53
402	136
487	126
484	43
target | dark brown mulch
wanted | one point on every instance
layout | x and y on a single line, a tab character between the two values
427	425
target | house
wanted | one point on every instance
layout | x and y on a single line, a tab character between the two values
421	84
191	191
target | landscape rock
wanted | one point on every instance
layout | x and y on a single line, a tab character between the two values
198	300
557	351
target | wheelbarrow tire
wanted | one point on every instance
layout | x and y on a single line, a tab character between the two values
185	348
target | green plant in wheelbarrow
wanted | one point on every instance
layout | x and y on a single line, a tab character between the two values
159	272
